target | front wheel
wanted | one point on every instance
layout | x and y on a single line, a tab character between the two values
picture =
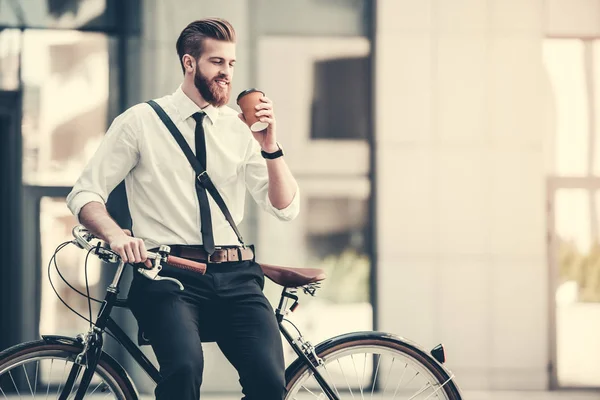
41	369
372	365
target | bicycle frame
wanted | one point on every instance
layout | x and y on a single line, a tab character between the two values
93	343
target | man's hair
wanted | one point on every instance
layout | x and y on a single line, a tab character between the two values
191	39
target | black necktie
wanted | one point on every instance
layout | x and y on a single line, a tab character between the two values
208	240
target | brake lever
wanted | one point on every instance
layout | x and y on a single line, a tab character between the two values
152	274
166	278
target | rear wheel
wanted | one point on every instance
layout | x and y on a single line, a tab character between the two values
41	370
374	368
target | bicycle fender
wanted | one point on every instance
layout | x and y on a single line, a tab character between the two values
114	364
327	344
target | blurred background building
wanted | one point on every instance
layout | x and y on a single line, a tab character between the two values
446	151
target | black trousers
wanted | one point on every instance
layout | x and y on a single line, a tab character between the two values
226	305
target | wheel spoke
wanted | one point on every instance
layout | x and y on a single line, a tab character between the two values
13	381
3	394
37	367
400	381
74	382
424	388
356	372
364	368
387	380
96	388
49	378
441	386
411	379
309	391
331	380
61	379
376	371
27	377
346	379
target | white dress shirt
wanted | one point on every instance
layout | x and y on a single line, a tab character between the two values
160	181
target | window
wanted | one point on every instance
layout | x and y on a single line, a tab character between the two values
57	13
341	98
65	103
10	48
312	17
573	67
337	241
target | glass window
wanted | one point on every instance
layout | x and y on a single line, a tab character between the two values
56	13
10	49
578	291
564	60
595	70
322	87
573	66
336	233
340	105
66	79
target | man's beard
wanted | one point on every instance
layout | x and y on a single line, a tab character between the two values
211	91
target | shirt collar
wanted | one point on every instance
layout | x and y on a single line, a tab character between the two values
186	107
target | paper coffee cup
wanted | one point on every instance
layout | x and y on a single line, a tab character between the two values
247	100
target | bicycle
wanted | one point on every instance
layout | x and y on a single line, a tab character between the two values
318	372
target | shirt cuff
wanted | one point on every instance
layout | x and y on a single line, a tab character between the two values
288	213
80	199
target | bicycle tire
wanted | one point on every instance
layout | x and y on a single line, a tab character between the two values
107	369
333	348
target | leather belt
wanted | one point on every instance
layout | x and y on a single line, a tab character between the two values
221	254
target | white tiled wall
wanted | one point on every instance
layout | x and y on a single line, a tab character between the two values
460	193
572	17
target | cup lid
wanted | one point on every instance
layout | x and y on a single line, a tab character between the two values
248	91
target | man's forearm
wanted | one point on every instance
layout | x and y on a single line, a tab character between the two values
282	185
96	219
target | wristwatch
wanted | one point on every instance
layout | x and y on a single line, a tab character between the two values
274	155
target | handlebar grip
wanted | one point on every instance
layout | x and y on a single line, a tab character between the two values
183	263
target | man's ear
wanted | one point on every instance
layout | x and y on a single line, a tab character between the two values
188	63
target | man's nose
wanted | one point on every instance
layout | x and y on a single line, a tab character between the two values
226	71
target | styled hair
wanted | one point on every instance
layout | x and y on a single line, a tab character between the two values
191	39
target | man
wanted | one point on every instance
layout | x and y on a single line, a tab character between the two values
226	304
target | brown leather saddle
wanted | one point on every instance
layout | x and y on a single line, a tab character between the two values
292	277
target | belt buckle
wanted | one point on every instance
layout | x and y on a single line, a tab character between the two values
202	178
210	256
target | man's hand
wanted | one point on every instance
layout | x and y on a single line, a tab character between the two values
267	137
131	249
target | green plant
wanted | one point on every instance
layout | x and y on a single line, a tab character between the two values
581	268
348	276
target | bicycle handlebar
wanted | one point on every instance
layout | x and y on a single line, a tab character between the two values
83	237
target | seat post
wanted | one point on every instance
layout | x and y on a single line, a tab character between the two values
282	309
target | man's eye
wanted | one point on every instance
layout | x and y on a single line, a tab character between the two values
217	62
